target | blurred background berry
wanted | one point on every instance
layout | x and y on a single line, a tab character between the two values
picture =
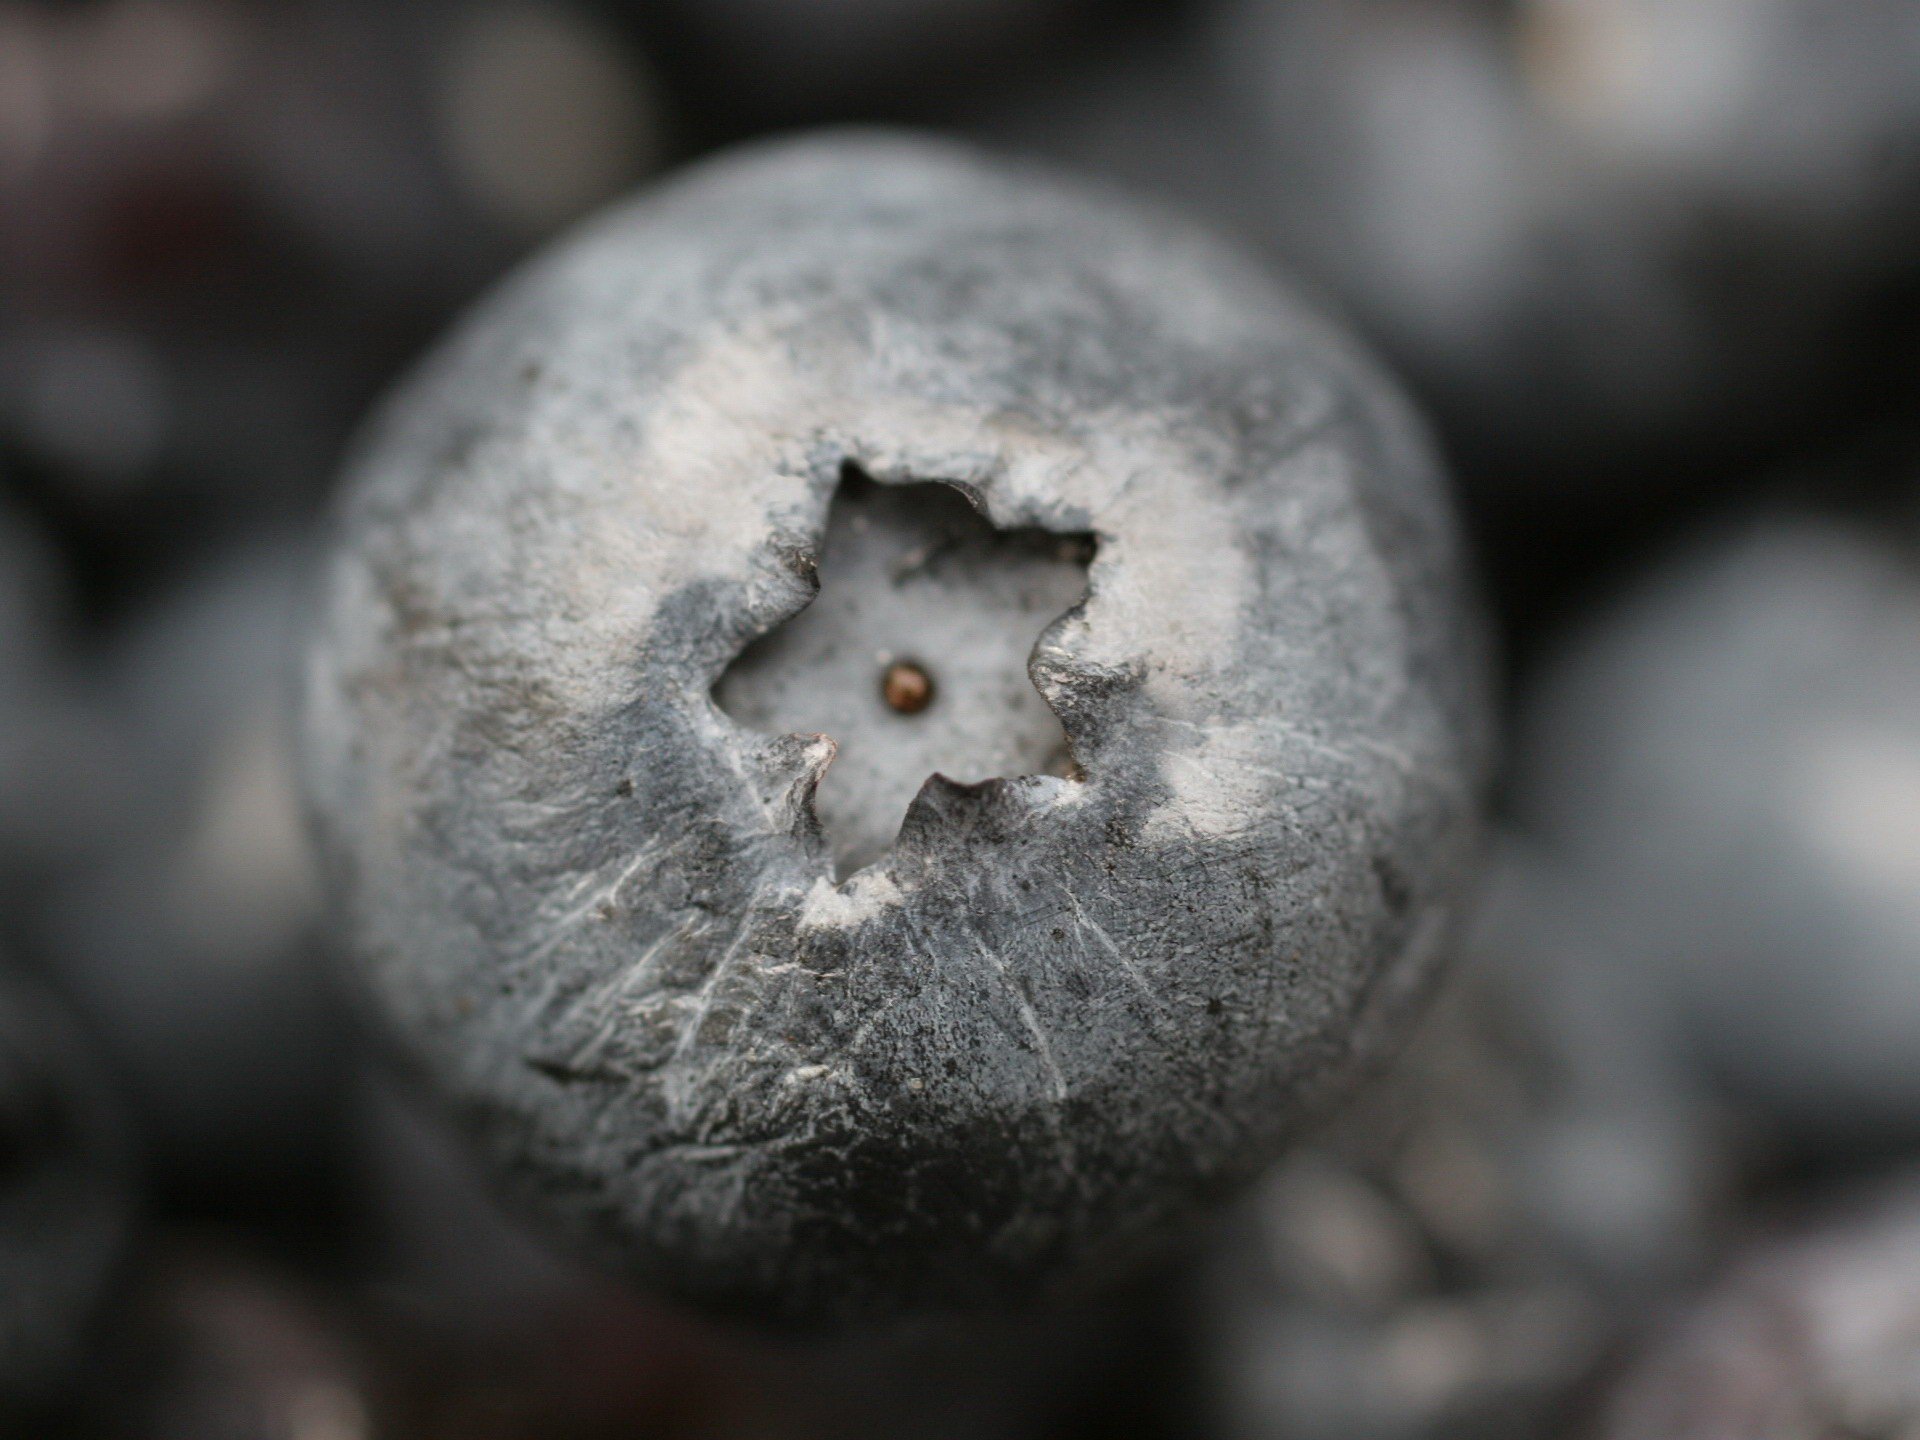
1653	269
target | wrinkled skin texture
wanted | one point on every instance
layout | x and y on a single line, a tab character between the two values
66	1192
1730	761
592	1357
1058	1013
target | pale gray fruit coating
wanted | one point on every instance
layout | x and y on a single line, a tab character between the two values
66	1195
1059	1012
1730	762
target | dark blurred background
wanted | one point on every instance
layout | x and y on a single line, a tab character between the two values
1652	268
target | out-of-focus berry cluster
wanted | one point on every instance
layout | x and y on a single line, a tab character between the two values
1651	267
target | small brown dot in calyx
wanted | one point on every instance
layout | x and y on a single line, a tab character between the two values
906	687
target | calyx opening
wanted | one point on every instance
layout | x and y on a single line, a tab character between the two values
913	655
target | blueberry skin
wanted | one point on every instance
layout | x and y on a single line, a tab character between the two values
1059	1014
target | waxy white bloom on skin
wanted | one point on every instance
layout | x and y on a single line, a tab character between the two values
1059	1010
